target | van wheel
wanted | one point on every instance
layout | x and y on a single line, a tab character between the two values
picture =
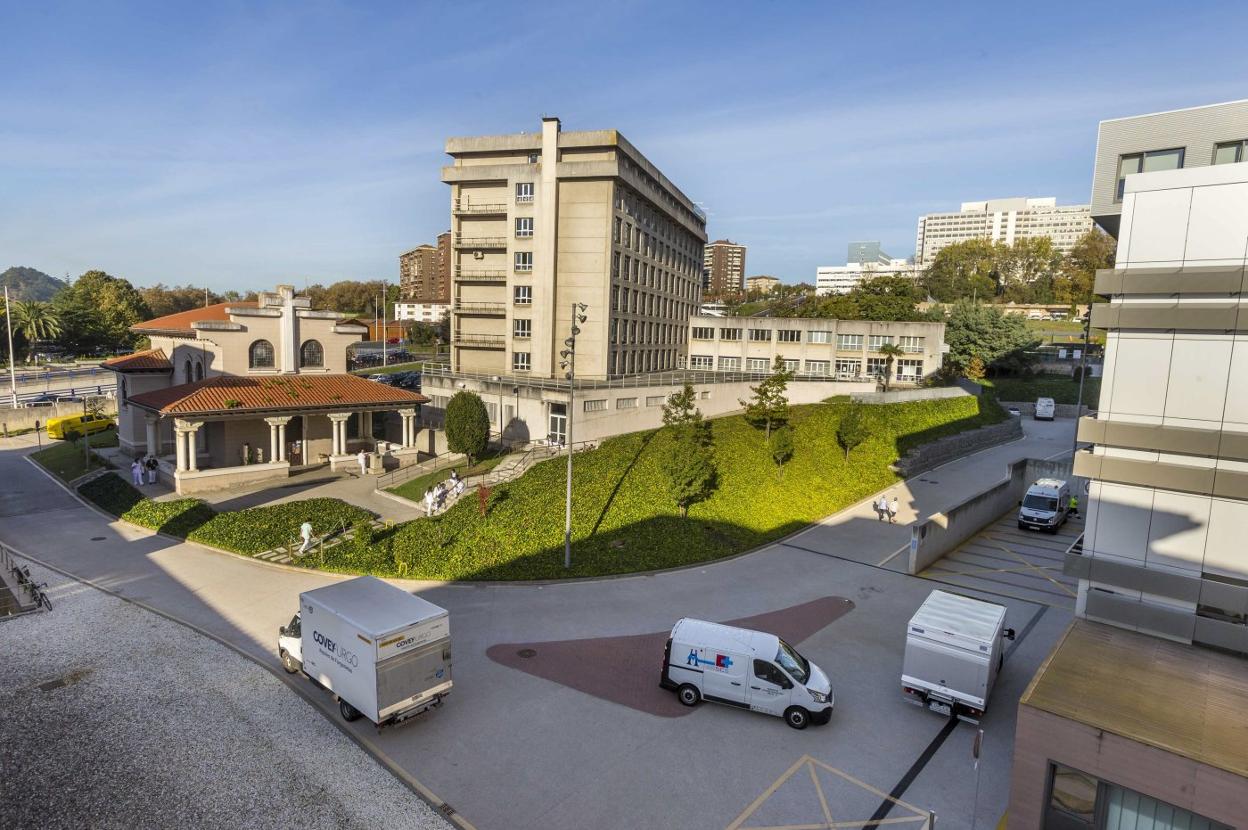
290	664
349	712
689	695
797	717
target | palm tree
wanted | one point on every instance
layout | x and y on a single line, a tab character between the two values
35	320
891	352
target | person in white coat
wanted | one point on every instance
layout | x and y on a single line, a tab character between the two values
881	508
893	507
363	459
305	531
136	473
429	501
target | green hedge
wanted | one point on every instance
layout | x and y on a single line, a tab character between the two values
115	495
622	519
1061	388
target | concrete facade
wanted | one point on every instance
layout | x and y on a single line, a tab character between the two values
423	276
421	312
541	221
841	279
723	268
1002	220
761	284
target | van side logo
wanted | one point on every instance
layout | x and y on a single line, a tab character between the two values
721	661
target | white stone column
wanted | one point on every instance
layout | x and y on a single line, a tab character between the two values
185	432
272	439
277	437
409	432
339	420
180	446
153	435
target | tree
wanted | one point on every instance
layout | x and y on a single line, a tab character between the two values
97	312
682	416
35	320
467	425
891	352
891	297
1027	270
781	446
162	300
975	368
690	471
1075	278
1001	341
769	404
965	269
853	429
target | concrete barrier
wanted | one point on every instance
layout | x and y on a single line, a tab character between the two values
24	417
934	453
902	395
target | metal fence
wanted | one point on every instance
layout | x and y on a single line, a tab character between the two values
674	378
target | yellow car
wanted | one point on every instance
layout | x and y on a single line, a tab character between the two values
80	424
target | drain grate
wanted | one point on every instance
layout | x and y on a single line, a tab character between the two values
526	653
446	809
98	538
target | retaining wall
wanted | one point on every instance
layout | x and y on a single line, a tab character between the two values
902	395
1061	410
24	417
935	453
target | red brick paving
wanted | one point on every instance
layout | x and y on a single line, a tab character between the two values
625	670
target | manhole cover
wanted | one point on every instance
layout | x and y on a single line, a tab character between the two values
526	653
98	538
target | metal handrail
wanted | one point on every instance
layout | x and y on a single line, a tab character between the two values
482	241
466	207
481	339
480	274
675	378
479	308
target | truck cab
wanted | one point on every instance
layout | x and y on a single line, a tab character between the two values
1046	506
290	644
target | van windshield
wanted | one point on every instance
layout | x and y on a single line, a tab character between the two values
1035	501
795	664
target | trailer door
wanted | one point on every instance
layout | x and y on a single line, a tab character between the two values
412	673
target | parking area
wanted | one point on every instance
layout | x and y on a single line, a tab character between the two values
1008	560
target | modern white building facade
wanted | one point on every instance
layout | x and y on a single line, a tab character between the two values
841	279
421	312
1002	220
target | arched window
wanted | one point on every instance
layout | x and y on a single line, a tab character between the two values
261	355
311	354
188	371
199	370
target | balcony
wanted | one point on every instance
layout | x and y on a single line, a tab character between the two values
524	198
481	309
480	275
480	341
465	208
480	243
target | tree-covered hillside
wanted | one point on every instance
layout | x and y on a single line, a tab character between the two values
28	284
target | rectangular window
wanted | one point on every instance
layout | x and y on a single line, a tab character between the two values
760	335
1079	801
848	367
849	342
730	334
789	336
1229	152
914	345
524	191
625	403
655	400
792	366
596	406
703	333
817	367
524	226
706	395
700	361
875	341
520	361
730	364
912	369
756	364
819	337
533	157
522	327
524	261
523	295
876	365
1148	162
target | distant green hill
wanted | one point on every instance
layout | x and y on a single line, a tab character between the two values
29	284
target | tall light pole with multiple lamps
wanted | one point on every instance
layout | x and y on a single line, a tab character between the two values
568	364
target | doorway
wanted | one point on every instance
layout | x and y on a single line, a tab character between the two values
557	431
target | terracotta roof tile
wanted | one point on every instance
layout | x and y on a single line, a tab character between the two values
183	319
273	393
148	360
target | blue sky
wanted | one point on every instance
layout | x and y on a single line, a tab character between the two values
241	144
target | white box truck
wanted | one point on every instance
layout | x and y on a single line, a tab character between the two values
382	652
749	669
1046	409
955	647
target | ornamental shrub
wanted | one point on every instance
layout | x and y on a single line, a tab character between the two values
467	425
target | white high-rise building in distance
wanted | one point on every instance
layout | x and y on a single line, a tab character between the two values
864	261
1002	220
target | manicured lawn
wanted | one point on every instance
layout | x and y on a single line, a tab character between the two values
244	531
623	520
415	488
64	459
1060	388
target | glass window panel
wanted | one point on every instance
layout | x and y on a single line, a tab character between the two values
1228	153
1163	160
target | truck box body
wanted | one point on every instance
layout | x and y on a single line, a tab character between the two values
377	647
954	651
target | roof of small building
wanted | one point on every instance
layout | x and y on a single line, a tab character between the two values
181	322
148	360
231	394
1182	699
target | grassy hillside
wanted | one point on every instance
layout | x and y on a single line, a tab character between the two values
29	284
1061	388
622	519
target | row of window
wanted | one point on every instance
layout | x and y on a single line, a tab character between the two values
1224	152
847	342
875	366
636	301
260	355
628	362
629	269
600	404
633	332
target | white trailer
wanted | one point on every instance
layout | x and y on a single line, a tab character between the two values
383	653
954	650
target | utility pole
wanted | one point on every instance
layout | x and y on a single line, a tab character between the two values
568	363
384	333
8	320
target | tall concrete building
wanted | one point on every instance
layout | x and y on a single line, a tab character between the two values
1137	717
761	284
425	272
1002	220
543	220
723	268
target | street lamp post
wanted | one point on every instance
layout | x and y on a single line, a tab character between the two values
568	364
1083	371
8	321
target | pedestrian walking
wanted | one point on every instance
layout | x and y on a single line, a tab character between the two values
428	501
305	530
245	452
136	473
459	487
152	466
892	510
363	459
1074	505
881	508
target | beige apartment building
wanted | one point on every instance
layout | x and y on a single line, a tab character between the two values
761	284
425	272
723	268
541	221
1002	220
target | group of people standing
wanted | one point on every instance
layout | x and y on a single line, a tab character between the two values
436	496
148	464
886	509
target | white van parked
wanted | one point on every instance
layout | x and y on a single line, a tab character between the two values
1046	505
748	669
1045	409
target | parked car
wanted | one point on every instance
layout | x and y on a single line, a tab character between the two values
87	424
749	669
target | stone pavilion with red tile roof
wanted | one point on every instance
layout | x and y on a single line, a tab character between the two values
236	394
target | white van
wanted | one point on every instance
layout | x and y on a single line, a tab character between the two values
1046	505
1045	409
748	669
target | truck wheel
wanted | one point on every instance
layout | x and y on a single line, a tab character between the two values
1022	526
290	664
797	717
689	695
349	712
